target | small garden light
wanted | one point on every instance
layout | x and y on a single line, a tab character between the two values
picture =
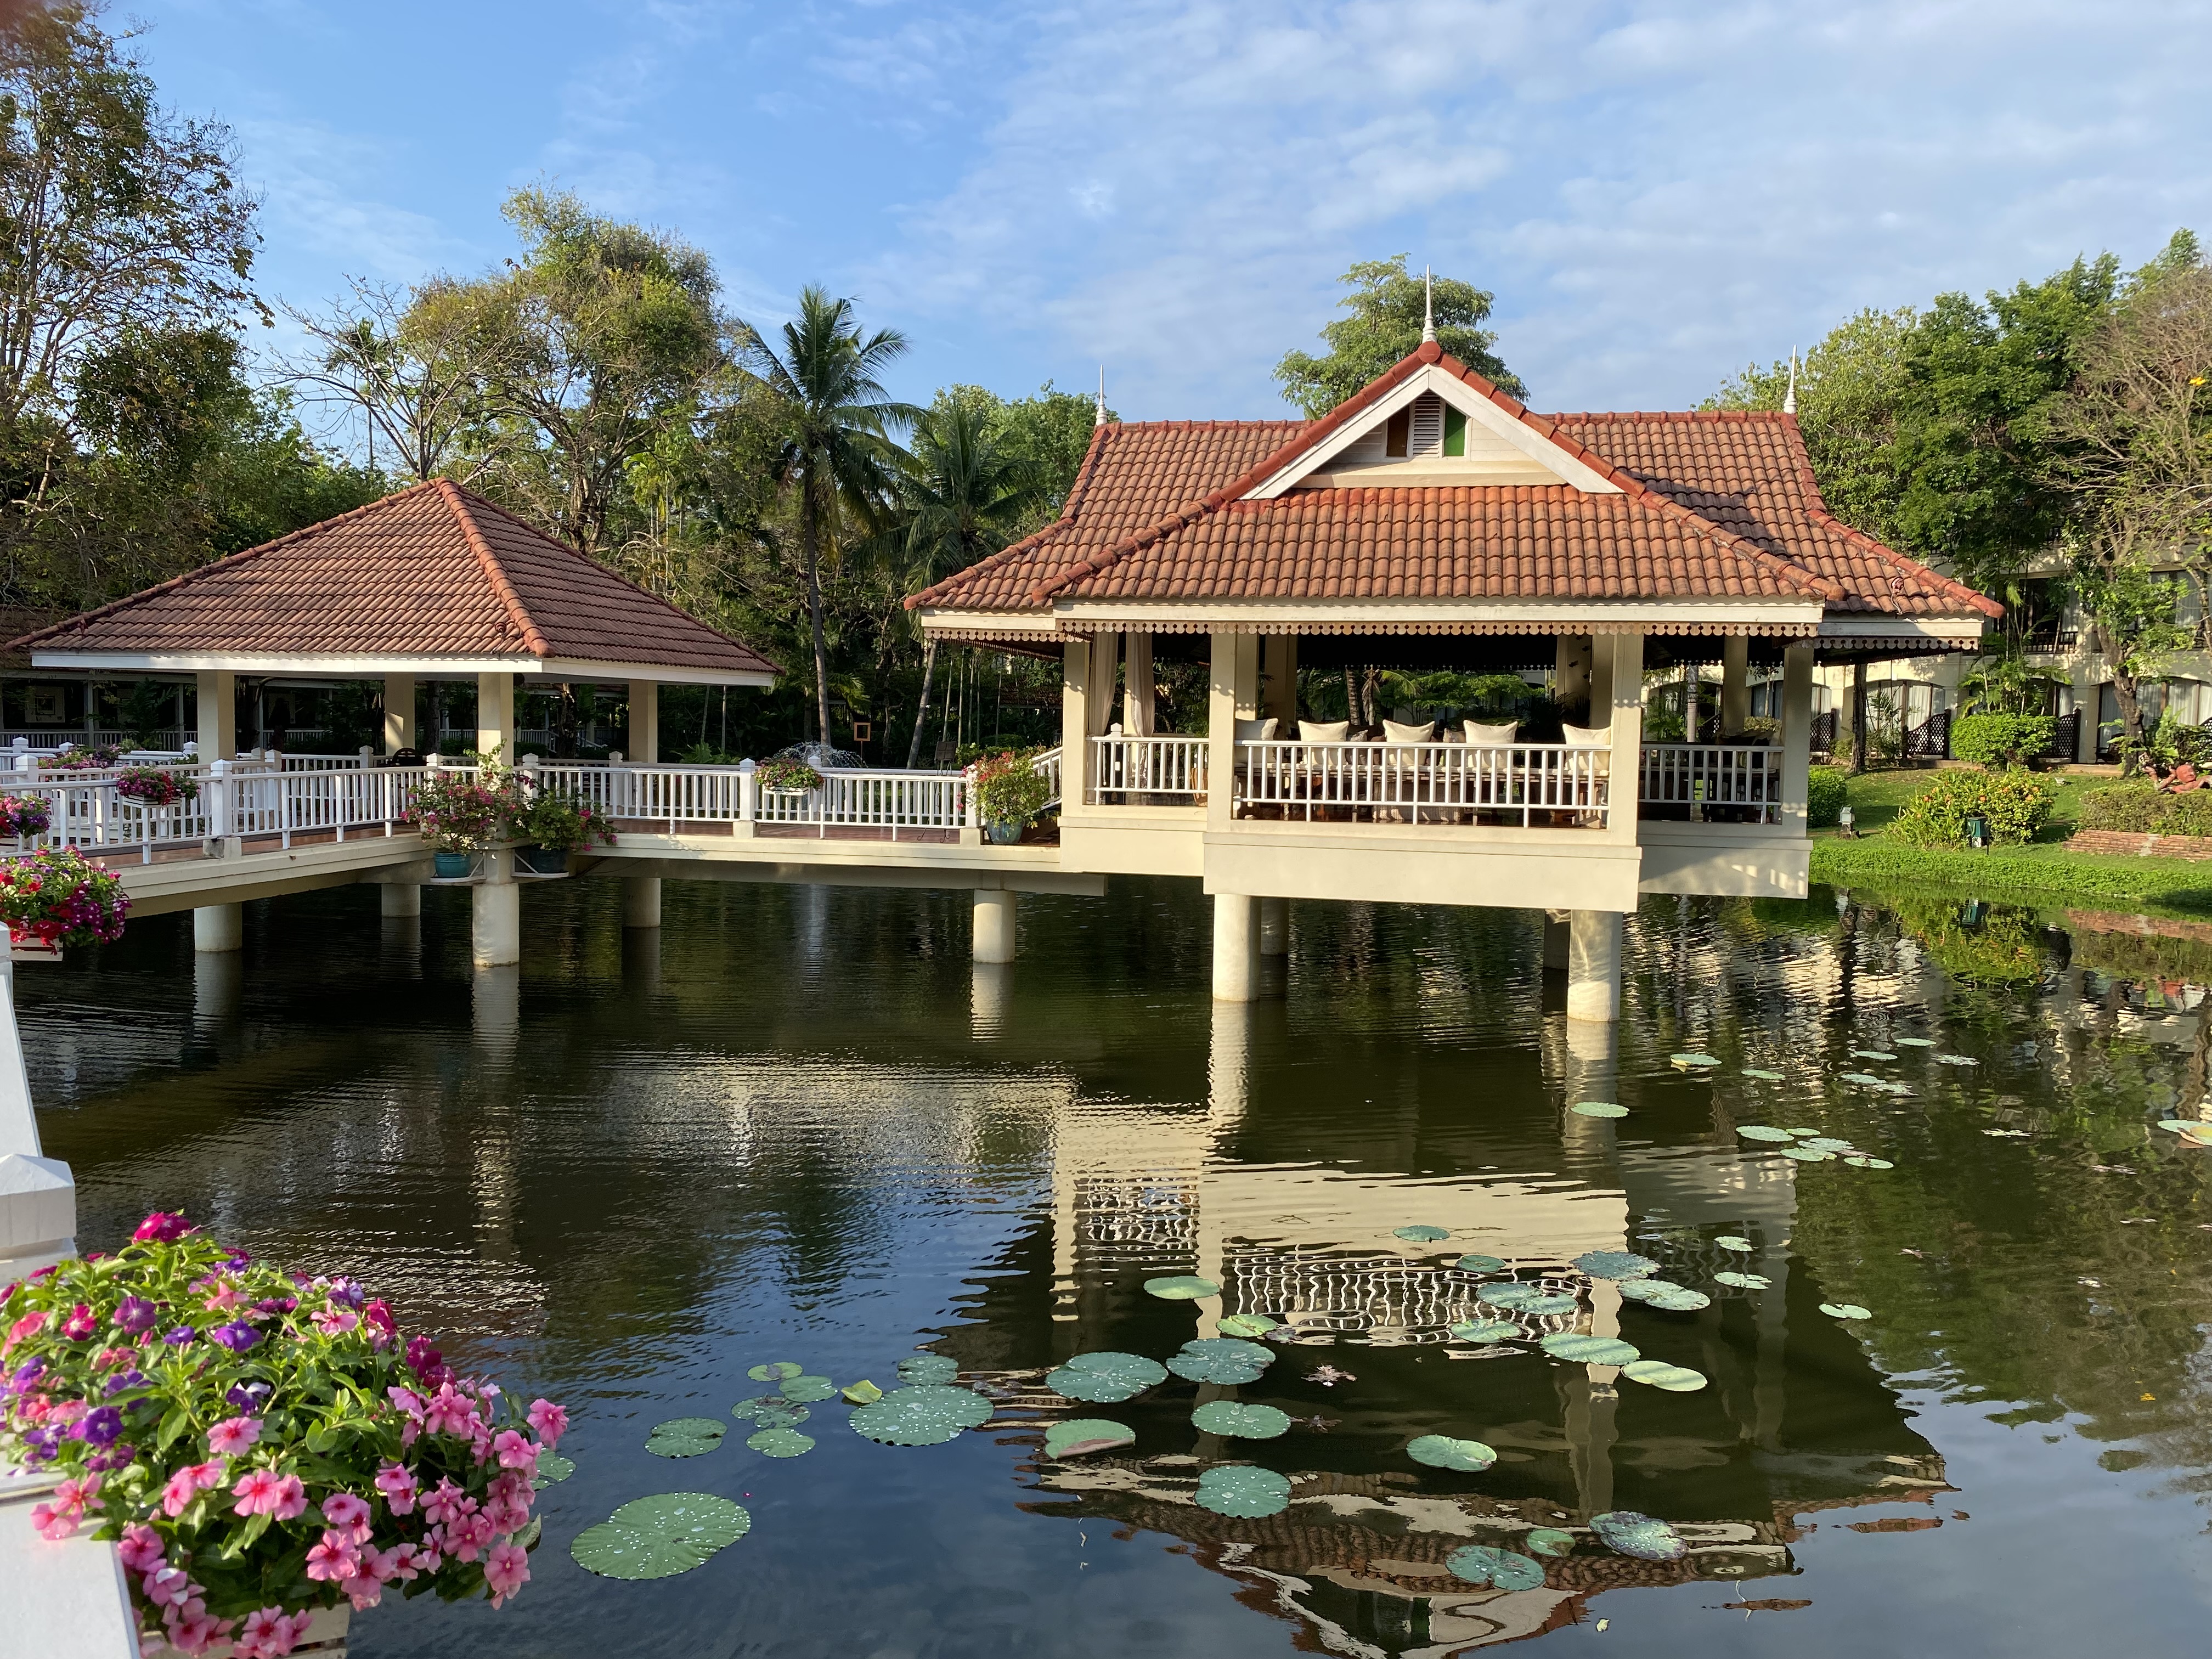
1978	831
1844	821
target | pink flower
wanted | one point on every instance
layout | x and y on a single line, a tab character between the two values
383	1565
140	1549
550	1421
348	1514
448	1413
515	1452
362	1591
197	1633
257	1492
272	1633
466	1537
291	1500
167	1587
333	1558
446	1504
54	1523
335	1322
234	1435
397	1485
224	1298
80	1324
506	1569
423	1558
28	1325
178	1493
79	1495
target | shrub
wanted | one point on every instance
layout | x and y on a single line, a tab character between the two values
2144	808
1827	788
1009	789
796	776
1998	741
462	812
561	824
2013	804
259	1445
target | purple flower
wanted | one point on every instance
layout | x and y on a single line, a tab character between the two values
135	1314
237	1336
179	1336
249	1396
124	1380
39	1443
28	1373
100	1426
423	1360
348	1292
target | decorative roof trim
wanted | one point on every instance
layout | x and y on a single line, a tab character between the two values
1078	628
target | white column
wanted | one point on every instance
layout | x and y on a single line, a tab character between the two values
640	901
1077	769
1235	948
1274	928
219	928
1735	684
1139	688
994	925
1797	733
1232	693
217	695
495	716
398	712
1600	679
1281	691
645	722
495	912
1625	694
401	898
1555	940
1594	965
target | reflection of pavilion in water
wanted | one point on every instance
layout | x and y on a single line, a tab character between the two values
1358	1559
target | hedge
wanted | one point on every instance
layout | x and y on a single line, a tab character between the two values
2140	808
1999	741
1826	791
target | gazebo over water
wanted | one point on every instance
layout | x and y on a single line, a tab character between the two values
433	582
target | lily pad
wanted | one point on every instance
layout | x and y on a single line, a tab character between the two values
1845	1311
926	1414
1481	1565
1865	1078
1733	1242
1441	1451
777	1371
1762	1075
1956	1060
1690	1061
1598	1108
685	1437
1872	1054
1806	1155
1743	1281
1221	1359
1073	1436
770	1411
805	1390
1507	1293
933	1369
1914	1043
862	1392
1586	1350
1546	1307
1240	1419
1181	1287
1658	1374
552	1468
1485	1330
1420	1234
1615	1264
1804	1132
1762	1132
659	1537
1641	1290
1678	1298
1479	1264
1105	1379
1640	1535
1825	1144
781	1443
1243	1492
1550	1541
1245	1325
1860	1161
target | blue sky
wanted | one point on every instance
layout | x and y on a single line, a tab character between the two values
1656	192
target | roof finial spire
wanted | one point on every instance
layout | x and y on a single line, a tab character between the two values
1790	397
1101	420
1428	307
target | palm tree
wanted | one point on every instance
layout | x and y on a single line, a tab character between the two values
835	448
962	495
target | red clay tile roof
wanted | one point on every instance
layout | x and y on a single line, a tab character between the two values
1709	505
433	571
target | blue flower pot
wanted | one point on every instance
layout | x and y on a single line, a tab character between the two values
541	860
1004	835
453	866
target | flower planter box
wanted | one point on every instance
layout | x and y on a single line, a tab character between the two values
541	860
454	867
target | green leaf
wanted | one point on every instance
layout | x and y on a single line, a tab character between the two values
1731	1241
1825	1144
863	1393
1224	1359
1479	1264
552	1468
1243	1492
1550	1541
1615	1264
1764	1077
1181	1287
685	1437
927	1414
661	1536
805	1390
1598	1108
1914	1043
1106	1378
1235	1417
775	1371
1657	1374
1441	1451
781	1443
1547	1307
770	1411
173	1425
1245	1325
1677	1298
527	1538
1804	1155
1481	1565
1507	1293
1485	1330
1630	1532
1872	1054
1857	1161
1581	1349
1075	1436
1845	1311
933	1369
1762	1132
1743	1281
1955	1060
1420	1234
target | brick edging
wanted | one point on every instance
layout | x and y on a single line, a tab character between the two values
2132	843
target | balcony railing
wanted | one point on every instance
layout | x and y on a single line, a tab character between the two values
1550	784
1746	781
1171	769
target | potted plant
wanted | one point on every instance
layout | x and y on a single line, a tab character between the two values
553	826
58	898
462	813
787	777
265	1449
25	816
151	787
1009	791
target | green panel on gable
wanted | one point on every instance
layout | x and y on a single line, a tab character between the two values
1455	431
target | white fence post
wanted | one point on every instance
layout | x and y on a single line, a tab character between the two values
748	800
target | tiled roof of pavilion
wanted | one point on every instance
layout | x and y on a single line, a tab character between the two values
432	571
1702	506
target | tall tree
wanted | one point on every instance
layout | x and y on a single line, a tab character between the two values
1386	304
835	451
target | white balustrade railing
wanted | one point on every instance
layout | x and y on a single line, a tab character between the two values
1123	764
1438	782
1743	778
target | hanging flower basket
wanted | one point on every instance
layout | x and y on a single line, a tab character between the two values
25	816
149	785
57	897
787	777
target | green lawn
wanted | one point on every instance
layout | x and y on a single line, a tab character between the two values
1878	797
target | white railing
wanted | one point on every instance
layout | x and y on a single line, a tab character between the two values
1741	778
92	814
1123	764
1441	781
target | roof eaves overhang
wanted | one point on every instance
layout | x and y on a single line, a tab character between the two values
1795	618
944	622
1874	632
370	665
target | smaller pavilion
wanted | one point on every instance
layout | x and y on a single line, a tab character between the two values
433	582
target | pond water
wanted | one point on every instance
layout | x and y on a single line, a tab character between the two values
798	1124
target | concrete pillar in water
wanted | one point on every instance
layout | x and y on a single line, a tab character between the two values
994	925
1236	947
989	986
640	901
1274	928
495	914
218	987
497	1008
1555	940
400	898
1594	965
219	928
